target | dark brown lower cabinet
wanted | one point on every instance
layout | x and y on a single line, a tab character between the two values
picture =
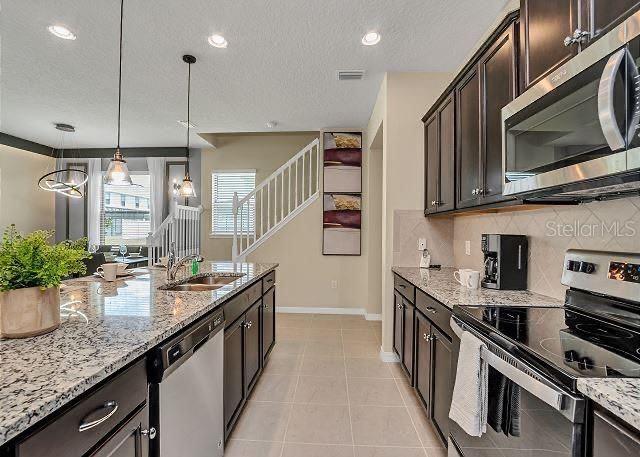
128	440
398	314
442	381
253	348
423	360
234	384
407	337
248	340
268	322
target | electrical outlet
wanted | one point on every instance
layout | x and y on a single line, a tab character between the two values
334	284
422	244
467	247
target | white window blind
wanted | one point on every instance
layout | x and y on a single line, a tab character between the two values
126	213
223	186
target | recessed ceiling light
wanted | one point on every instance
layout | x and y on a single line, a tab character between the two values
218	41
371	38
62	32
185	123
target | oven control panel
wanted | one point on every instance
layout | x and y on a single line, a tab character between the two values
610	273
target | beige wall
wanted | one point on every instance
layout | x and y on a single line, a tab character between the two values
264	153
306	278
402	101
22	202
612	226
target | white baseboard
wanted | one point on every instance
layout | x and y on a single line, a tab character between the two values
373	317
389	357
311	310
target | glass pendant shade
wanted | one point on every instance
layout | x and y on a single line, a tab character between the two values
186	188
118	172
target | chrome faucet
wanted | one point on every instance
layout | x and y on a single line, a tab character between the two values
173	263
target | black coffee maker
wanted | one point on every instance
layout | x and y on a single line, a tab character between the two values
505	261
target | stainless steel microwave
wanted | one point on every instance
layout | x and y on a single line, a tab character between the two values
574	134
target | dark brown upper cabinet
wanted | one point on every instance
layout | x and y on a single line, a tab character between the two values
544	26
498	81
606	14
468	134
554	31
481	94
439	132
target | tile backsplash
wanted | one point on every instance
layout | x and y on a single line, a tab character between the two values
612	226
409	226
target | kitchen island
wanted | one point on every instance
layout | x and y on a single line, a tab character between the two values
105	327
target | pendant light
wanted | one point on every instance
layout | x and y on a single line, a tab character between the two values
118	172
186	189
65	181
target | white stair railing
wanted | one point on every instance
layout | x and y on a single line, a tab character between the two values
275	201
182	226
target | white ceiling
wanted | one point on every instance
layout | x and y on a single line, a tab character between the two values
280	64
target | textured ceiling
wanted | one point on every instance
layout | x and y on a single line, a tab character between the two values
280	64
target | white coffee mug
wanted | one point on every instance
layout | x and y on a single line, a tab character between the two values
108	271
121	268
461	276
473	279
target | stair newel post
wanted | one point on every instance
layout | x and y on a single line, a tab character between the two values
235	227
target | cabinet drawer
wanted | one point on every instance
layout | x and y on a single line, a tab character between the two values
435	311
238	305
268	282
407	289
97	415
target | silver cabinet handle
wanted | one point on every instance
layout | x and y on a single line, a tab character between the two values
85	425
434	203
606	111
426	337
480	191
474	192
431	309
249	324
579	36
151	433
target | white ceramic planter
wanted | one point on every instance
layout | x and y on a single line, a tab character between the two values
29	312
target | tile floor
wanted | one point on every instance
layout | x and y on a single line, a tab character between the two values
325	393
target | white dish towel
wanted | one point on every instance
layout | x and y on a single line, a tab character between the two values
469	403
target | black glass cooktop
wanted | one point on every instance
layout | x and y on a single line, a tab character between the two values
591	337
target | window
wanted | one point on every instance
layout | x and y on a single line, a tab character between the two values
223	186
122	224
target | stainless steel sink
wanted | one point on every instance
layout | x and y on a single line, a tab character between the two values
204	283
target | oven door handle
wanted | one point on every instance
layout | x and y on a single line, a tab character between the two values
606	110
569	406
540	390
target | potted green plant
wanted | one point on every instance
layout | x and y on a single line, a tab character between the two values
31	270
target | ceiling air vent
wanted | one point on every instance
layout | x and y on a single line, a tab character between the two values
350	75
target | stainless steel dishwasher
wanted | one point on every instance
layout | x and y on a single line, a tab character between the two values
186	405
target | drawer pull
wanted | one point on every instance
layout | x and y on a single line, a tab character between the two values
432	310
86	424
402	285
248	324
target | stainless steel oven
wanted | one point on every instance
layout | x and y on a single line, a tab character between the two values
575	133
551	419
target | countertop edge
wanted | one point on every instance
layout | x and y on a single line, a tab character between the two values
619	396
10	431
454	295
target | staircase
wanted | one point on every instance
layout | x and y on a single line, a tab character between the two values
182	226
275	201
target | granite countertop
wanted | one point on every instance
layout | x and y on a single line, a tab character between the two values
441	285
104	327
620	396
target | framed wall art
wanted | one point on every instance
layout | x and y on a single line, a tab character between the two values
342	197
